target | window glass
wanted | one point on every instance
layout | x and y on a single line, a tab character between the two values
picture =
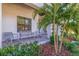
23	24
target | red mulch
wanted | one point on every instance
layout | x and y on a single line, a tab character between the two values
48	50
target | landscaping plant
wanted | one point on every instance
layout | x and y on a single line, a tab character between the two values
65	16
21	50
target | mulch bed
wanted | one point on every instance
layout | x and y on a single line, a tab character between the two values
48	50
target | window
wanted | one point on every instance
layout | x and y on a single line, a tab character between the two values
23	24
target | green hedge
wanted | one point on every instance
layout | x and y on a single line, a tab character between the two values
21	50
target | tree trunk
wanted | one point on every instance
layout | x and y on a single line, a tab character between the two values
61	42
55	41
53	28
57	38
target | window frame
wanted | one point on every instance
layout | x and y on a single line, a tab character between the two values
25	18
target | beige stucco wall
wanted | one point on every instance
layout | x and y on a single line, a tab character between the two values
0	25
10	13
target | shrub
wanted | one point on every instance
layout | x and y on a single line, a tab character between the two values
71	46
75	52
21	50
68	45
7	51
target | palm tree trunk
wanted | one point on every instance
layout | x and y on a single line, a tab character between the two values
53	28
61	42
57	37
55	41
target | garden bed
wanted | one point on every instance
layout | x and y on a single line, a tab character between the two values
37	50
48	50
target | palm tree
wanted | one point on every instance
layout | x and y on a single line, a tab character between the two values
57	15
70	19
50	17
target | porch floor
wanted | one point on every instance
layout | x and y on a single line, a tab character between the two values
40	40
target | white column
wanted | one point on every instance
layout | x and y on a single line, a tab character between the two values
0	25
49	30
34	24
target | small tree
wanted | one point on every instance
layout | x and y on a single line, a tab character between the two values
58	15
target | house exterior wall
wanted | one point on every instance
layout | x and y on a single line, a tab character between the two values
10	13
0	25
9	17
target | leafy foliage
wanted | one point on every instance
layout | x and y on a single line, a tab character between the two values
52	39
72	47
22	50
69	46
75	52
65	15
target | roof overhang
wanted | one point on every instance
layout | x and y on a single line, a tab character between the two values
32	5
